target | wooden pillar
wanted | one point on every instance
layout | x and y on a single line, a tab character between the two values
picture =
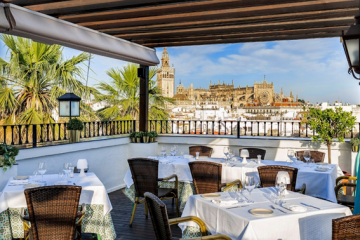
144	98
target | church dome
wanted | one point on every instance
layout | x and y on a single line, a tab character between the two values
180	96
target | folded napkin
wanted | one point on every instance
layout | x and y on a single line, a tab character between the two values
225	202
19	181
294	208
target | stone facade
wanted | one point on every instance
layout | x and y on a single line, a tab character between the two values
166	76
260	94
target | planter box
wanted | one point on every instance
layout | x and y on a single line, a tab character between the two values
143	149
5	176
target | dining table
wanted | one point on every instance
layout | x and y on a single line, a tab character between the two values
97	218
262	215
318	183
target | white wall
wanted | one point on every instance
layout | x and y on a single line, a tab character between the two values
108	158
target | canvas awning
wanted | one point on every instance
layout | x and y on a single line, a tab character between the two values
19	21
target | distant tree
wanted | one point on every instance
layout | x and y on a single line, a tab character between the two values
301	100
329	125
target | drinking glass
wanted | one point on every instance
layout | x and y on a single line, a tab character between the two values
35	177
42	169
249	183
67	169
172	151
307	157
291	154
226	152
231	153
61	177
175	149
163	151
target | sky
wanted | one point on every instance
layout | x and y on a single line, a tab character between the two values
313	69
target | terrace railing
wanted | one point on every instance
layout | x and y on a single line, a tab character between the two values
33	135
57	133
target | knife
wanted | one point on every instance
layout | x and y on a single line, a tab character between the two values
310	206
238	206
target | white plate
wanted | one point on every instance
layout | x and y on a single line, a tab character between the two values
262	212
21	177
31	185
321	169
210	196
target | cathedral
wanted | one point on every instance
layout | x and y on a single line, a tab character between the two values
166	76
261	94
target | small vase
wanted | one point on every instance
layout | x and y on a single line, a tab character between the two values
133	140
138	140
74	136
145	139
355	148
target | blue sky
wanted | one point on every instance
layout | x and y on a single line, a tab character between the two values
314	69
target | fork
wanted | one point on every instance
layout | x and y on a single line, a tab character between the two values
272	206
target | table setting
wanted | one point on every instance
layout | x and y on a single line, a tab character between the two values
97	217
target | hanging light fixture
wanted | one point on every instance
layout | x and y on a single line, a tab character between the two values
351	44
69	105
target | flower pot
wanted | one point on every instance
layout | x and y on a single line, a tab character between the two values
151	139
2	158
74	136
145	139
355	148
133	139
138	140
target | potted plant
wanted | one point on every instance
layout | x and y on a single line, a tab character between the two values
138	136
132	137
355	142
145	137
153	135
74	127
7	156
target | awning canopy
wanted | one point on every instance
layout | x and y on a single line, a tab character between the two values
19	21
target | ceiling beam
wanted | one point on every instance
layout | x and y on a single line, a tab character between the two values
235	21
224	14
300	24
242	35
241	40
24	3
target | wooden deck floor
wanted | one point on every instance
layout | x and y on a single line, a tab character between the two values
141	228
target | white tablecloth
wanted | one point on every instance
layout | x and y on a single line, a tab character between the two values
239	223
318	184
93	191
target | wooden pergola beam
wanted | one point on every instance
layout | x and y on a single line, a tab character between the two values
23	3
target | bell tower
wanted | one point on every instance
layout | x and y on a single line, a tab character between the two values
166	76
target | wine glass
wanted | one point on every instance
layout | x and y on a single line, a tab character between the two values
290	154
249	183
307	157
226	152
231	153
42	169
172	151
175	149
163	151
67	169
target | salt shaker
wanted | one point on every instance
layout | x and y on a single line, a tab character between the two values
259	159
197	155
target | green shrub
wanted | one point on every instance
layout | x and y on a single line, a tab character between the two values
75	124
146	134
139	134
355	142
9	153
132	135
153	134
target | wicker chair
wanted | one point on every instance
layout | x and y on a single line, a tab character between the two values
52	212
144	173
161	222
347	200
203	151
346	228
316	155
207	177
253	152
268	176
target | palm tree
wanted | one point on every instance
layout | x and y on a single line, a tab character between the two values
121	95
35	75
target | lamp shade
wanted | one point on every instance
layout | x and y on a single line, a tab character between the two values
244	153
283	177
69	105
82	164
351	44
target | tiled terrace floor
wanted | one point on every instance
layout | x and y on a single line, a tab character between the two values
142	228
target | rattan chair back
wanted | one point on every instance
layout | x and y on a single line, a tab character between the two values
159	217
144	173
52	211
203	151
254	152
268	175
206	176
316	155
346	228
